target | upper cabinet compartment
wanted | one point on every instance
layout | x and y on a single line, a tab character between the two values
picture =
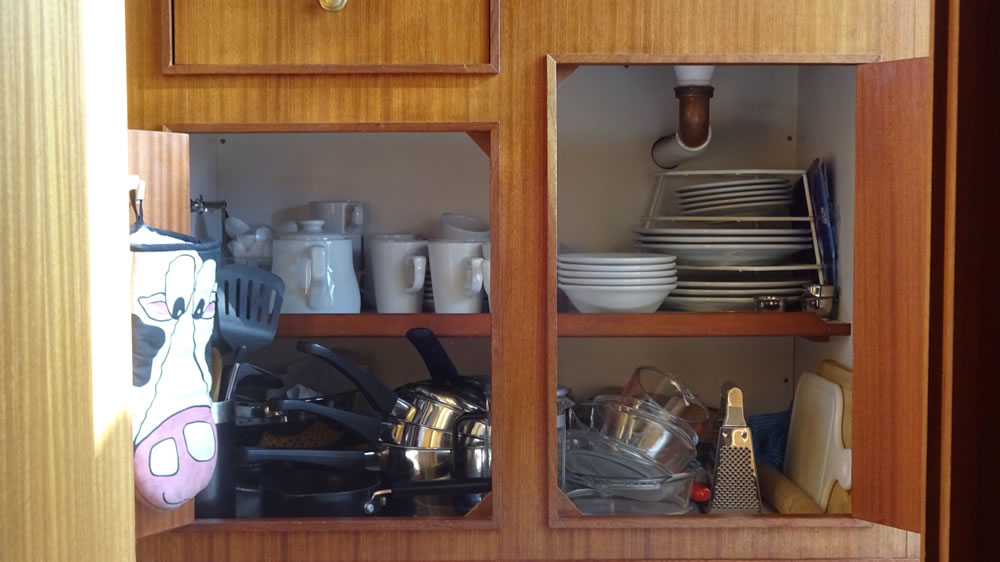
331	36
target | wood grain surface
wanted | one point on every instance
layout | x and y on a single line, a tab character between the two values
298	36
161	159
524	324
709	324
370	324
66	461
891	291
962	403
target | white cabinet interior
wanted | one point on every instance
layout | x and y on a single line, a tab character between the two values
779	117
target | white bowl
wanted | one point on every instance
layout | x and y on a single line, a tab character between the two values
573	274
616	299
620	282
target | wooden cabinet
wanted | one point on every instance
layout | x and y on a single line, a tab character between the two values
300	36
543	42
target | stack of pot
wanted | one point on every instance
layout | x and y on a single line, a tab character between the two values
634	453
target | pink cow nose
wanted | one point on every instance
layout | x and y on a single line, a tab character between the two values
176	460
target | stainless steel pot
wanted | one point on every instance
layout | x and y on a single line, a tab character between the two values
409	434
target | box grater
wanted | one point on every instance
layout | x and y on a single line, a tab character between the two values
736	488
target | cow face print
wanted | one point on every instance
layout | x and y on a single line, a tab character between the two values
174	436
177	459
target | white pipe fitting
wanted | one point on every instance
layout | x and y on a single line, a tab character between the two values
694	75
669	152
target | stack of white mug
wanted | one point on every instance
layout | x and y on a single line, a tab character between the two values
458	262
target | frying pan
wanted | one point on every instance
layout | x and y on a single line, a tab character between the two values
311	492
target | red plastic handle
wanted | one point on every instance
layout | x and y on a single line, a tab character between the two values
700	493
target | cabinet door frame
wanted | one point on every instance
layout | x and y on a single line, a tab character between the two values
492	66
891	364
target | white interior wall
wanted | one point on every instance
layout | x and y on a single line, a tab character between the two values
609	118
407	179
827	101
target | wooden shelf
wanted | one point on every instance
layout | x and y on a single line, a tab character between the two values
371	324
701	324
338	524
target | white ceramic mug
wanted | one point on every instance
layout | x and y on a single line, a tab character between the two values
457	273
339	217
487	254
399	268
367	276
461	227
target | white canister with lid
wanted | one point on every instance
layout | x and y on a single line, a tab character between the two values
318	271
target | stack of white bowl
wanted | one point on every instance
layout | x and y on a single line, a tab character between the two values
616	282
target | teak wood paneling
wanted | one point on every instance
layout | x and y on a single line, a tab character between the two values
298	36
892	290
523	321
66	460
959	525
370	324
162	161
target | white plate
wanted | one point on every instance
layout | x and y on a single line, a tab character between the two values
697	231
709	304
718	191
706	199
741	284
729	254
615	258
619	282
764	208
656	268
572	274
740	201
723	239
731	183
735	292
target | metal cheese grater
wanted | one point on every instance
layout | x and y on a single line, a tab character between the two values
736	488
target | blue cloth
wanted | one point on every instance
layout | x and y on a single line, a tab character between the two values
770	436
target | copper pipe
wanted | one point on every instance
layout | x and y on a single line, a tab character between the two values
693	120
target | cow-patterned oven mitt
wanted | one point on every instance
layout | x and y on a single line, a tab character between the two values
173	316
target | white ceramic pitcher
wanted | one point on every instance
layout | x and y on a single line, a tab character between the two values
318	271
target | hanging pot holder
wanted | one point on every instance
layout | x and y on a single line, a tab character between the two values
173	316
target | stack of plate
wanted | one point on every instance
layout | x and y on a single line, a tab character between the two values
743	197
729	296
701	245
616	282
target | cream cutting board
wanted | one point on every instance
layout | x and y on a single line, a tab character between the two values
816	458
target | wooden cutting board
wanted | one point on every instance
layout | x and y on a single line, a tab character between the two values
816	457
840	499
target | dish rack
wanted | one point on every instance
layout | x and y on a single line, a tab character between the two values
821	295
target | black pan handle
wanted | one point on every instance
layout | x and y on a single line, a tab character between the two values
365	427
443	487
381	397
437	360
343	460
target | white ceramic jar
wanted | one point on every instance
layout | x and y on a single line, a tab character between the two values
318	271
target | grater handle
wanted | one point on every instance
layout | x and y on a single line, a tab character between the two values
732	405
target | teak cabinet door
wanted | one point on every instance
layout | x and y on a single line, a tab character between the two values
300	36
162	160
892	251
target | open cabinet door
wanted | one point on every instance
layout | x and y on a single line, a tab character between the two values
162	160
892	251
